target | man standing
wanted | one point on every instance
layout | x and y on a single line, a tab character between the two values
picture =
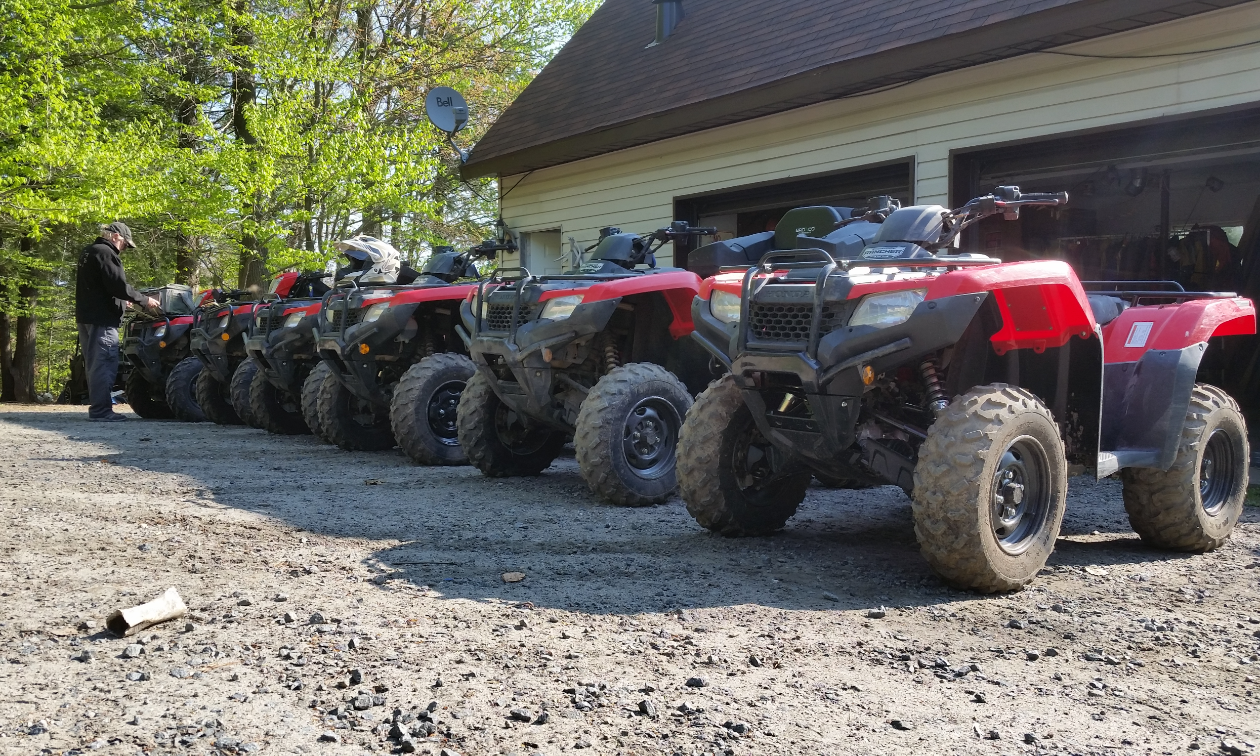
101	295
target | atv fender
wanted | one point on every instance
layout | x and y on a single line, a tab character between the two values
717	338
144	351
531	393
1152	357
1042	302
213	355
678	287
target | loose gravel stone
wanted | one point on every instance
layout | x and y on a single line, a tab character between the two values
601	610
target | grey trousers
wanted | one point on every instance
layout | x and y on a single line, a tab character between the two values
99	345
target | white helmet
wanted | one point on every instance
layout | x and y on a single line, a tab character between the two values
379	262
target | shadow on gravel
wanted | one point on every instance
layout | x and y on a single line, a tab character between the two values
459	532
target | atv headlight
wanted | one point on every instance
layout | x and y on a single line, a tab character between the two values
724	306
375	312
294	319
890	309
561	307
223	321
160	331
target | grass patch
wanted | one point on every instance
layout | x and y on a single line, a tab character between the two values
1253	496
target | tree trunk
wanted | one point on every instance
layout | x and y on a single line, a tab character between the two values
253	264
244	93
6	361
185	260
187	113
23	361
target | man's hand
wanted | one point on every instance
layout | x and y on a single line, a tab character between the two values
153	304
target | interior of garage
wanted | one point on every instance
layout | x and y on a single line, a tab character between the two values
1171	200
1177	200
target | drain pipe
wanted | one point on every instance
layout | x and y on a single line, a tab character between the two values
669	13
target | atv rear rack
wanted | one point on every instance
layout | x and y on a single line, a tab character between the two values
1175	291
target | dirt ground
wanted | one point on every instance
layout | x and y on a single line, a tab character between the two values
337	599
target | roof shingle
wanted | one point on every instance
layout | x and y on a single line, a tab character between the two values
730	60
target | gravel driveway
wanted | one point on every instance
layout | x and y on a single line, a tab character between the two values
353	603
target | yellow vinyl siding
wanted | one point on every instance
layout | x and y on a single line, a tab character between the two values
1028	97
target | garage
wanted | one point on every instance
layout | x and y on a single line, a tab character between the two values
1173	200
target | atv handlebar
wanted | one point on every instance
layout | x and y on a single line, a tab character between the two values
1044	198
1004	199
490	247
679	229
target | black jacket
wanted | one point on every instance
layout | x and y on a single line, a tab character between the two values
101	291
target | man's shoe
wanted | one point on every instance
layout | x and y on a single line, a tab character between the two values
112	417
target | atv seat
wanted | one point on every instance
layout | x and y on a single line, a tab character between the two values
1106	309
812	223
815	222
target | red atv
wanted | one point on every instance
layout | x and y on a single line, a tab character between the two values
153	344
220	326
597	355
282	353
396	366
969	383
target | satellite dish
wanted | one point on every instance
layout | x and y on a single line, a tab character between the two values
446	109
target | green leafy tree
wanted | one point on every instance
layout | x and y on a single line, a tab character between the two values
237	138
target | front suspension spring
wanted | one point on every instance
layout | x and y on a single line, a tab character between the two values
612	358
938	400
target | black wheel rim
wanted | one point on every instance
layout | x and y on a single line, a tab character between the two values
443	404
1216	472
1021	495
649	437
519	438
753	461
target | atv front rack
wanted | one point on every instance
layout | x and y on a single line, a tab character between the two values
344	295
526	278
814	257
200	312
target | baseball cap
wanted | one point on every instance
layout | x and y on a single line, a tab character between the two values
120	228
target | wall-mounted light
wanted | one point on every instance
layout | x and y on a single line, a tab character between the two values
1214	184
1137	182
